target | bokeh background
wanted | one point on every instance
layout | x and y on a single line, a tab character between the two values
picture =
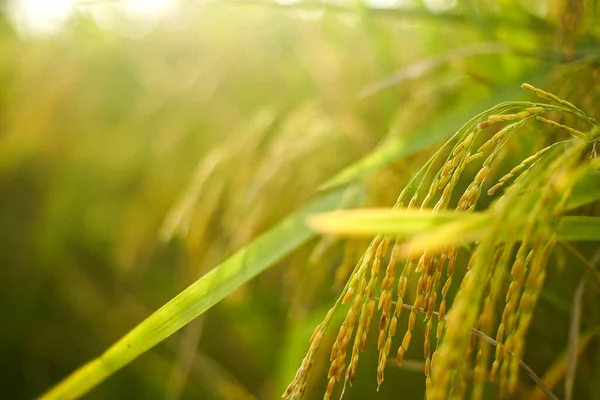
142	142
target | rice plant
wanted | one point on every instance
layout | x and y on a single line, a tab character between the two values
182	202
505	268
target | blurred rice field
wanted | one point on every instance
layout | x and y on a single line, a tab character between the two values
136	154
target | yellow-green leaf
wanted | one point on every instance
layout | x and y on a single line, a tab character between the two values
586	190
433	230
371	222
244	265
411	143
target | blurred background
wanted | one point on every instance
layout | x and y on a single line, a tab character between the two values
142	142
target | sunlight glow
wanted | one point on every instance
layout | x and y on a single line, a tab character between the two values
131	17
40	16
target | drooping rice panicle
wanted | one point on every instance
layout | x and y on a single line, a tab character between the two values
459	358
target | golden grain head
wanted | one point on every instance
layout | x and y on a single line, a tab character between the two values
400	356
535	110
406	340
526	275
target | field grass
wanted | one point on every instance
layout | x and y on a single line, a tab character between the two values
162	222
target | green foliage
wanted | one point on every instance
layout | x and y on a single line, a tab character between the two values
221	281
131	165
526	218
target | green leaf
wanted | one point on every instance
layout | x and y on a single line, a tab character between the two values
586	190
384	155
579	229
397	223
242	266
574	337
442	128
435	229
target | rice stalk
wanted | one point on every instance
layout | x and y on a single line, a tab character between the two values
525	216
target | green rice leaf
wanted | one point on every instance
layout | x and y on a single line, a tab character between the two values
398	223
385	155
574	337
442	128
433	230
242	266
582	229
427	230
586	190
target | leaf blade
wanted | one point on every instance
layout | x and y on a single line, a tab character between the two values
442	128
586	190
242	266
455	225
579	228
371	222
